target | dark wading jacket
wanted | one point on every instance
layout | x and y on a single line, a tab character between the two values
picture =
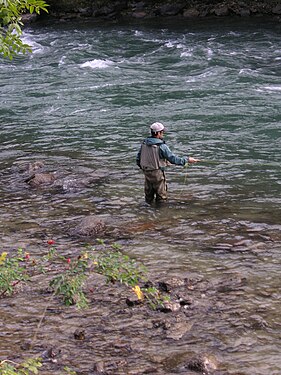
154	154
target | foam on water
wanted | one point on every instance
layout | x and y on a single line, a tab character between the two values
272	88
97	64
36	47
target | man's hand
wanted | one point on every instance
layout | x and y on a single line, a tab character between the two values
192	160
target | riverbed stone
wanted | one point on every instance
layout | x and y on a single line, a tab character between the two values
139	14
178	329
221	10
277	9
77	182
40	179
191	12
79	334
89	226
170	9
204	364
257	322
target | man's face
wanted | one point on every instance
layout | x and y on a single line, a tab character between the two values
161	134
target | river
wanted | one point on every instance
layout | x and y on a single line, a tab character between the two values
84	100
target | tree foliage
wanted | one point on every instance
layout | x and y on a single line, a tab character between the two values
11	12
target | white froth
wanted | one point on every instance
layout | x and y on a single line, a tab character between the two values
97	64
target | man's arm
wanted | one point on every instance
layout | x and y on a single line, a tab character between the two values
166	153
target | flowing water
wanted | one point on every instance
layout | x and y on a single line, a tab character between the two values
84	101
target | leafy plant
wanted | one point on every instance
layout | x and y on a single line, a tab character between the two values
11	24
154	297
69	371
30	366
70	283
119	267
12	272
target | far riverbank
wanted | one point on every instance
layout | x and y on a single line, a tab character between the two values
110	10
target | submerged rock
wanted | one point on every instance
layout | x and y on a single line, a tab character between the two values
203	364
257	322
178	329
37	175
76	182
39	179
90	226
79	334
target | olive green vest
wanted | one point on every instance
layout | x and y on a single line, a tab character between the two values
150	158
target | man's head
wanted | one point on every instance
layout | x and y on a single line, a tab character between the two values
157	130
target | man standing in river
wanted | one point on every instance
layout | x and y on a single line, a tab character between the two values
153	157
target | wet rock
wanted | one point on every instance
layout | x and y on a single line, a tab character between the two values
169	284
85	12
73	183
28	168
133	301
29	18
79	334
178	329
191	12
169	306
98	368
244	12
150	370
105	12
109	367
231	283
39	179
26	345
35	167
139	14
170	9
50	354
203	364
277	9
185	301
90	226
257	322
221	10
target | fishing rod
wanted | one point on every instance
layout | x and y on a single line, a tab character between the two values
217	162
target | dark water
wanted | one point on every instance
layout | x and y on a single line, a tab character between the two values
84	100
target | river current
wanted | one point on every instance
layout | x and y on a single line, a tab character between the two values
84	99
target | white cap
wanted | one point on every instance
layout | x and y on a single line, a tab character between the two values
157	127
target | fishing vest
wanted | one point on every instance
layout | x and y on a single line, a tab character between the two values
150	158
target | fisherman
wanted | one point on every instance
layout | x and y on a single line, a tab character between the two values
153	157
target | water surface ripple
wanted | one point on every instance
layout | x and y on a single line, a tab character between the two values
84	100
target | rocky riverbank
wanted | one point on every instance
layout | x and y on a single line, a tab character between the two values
153	328
105	9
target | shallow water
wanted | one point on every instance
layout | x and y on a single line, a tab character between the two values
84	101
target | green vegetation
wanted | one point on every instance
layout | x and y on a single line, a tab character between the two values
67	278
70	283
12	272
11	12
154	298
28	367
118	267
71	274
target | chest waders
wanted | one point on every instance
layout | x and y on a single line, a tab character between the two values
153	168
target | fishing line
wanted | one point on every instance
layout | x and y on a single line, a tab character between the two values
228	163
235	163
